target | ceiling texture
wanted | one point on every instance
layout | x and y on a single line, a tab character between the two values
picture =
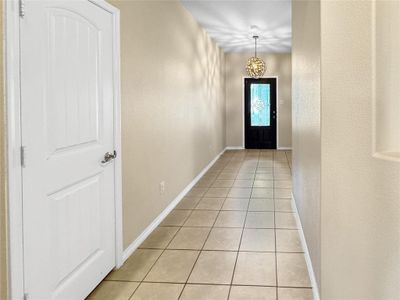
232	23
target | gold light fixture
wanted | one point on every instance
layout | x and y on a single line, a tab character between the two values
255	66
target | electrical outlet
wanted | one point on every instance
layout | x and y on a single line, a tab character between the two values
162	187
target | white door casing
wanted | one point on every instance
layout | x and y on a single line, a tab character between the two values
67	125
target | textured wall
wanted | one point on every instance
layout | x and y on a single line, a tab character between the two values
3	235
173	106
306	55
277	65
360	194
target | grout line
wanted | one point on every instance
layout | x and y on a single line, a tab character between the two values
201	250
241	235
276	258
220	284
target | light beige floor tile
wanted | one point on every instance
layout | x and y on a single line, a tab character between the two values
136	266
282	177
160	237
245	176
280	164
205	292
226	176
176	218
214	267
258	240
210	203
263	184
282	193
204	182
265	163
292	270
190	238
197	192
235	204
263	176
239	193
173	266
157	291
265	170
285	220
224	239
253	268
115	290
230	219
204	218
223	183
188	203
288	241
252	293
248	168
217	192
241	183
231	169
262	193
260	220
295	294
282	169
283	205
210	176
261	204
283	184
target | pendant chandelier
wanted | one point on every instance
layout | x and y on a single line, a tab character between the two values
255	66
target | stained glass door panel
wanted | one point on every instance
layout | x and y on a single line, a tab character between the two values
260	104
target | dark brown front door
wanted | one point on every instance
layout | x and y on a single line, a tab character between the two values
260	113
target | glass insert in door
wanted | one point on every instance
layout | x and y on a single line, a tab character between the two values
260	104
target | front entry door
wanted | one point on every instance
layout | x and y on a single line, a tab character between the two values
260	113
67	96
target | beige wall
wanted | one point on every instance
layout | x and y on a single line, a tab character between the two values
277	65
173	106
3	235
360	209
349	201
306	122
387	112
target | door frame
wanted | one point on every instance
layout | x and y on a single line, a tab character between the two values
243	108
11	11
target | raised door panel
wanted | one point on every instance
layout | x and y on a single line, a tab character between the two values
73	106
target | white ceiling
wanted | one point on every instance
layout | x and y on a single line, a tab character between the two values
229	23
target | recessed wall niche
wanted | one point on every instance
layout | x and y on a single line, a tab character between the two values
387	80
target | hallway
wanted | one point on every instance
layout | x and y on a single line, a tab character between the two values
233	236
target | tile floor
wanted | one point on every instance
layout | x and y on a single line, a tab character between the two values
233	236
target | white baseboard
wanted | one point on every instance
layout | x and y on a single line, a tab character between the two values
311	273
284	148
149	229
234	148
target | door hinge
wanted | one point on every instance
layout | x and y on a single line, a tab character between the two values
21	8
22	153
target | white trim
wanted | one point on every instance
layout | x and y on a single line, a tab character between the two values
277	108
14	172
311	273
284	148
117	138
149	229
234	148
13	125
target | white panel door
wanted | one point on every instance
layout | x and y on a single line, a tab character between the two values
67	127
